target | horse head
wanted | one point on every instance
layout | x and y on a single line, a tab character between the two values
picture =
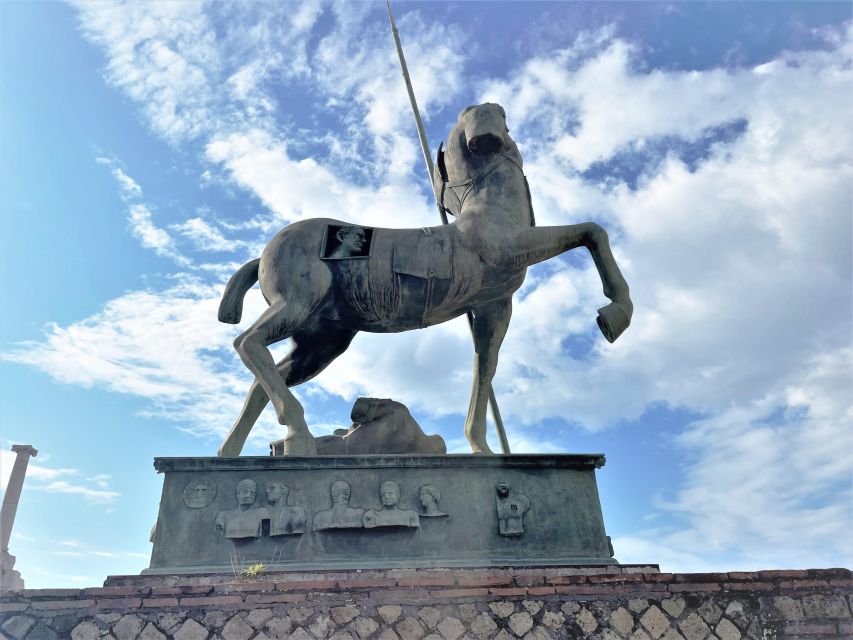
484	127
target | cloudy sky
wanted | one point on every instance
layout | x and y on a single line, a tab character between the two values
151	148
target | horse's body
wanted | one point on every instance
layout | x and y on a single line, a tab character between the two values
408	279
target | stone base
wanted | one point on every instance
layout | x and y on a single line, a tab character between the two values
435	511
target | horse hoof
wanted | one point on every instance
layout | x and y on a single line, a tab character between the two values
300	445
613	320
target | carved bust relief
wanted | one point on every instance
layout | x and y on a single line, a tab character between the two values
246	521
284	519
341	515
429	496
390	514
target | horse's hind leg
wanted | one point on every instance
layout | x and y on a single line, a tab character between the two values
540	243
490	325
312	351
278	322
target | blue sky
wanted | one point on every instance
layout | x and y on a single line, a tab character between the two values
149	149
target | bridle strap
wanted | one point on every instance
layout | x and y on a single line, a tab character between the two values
472	181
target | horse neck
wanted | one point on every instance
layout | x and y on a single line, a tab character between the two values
503	175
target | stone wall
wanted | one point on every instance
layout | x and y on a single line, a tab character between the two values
613	603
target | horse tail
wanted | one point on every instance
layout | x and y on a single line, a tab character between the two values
231	305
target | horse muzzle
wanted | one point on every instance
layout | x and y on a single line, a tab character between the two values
485	143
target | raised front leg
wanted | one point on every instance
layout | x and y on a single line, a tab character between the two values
537	244
490	324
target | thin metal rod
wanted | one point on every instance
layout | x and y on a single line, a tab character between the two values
493	403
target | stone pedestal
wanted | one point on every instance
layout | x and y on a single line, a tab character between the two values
378	511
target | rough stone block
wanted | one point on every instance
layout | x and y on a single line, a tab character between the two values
17	626
388	634
654	621
467	610
364	627
639	634
825	606
520	623
553	619
86	630
299	614
737	613
321	627
430	616
278	627
710	612
150	632
538	633
726	630
190	630
482	626
237	629
451	628
128	627
257	617
410	629
788	608
622	621
693	627
43	632
533	606
586	621
343	615
389	613
502	609
300	634
638	605
674	606
214	619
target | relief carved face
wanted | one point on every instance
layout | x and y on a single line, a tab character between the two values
340	492
247	491
429	496
390	494
502	489
277	493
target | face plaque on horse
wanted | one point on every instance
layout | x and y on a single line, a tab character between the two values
346	241
320	296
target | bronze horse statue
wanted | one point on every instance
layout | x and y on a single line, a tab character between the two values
325	280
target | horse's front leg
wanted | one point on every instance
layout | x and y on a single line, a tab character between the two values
540	243
490	324
276	323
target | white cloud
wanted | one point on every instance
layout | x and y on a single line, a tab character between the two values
41	478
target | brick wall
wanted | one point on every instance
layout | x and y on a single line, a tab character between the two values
613	603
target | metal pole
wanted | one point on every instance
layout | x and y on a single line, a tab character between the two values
493	403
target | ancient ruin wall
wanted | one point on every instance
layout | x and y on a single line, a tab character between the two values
615	603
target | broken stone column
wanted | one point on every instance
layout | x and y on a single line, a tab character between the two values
9	578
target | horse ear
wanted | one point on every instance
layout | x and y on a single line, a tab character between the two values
439	161
466	110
